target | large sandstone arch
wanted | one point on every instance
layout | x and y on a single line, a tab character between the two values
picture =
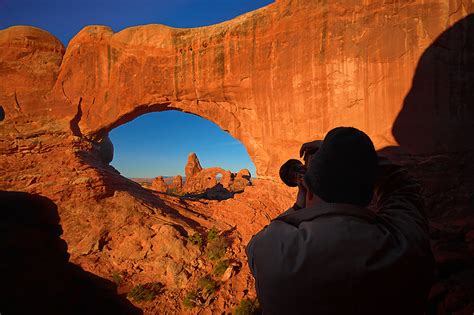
272	78
400	70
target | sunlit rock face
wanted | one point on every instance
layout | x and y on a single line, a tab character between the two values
193	166
159	184
273	78
176	183
402	71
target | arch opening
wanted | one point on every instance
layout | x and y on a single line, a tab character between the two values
160	150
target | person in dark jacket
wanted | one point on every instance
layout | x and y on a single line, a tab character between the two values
330	253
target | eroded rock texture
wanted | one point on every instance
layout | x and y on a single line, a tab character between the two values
402	71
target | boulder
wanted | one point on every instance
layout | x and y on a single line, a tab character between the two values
106	150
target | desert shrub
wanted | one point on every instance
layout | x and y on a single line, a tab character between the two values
117	278
247	307
216	248
220	268
191	299
195	239
207	285
212	234
146	292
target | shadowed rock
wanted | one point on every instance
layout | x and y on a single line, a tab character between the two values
106	150
36	275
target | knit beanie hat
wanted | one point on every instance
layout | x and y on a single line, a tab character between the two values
343	170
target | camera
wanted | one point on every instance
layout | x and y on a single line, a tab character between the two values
293	171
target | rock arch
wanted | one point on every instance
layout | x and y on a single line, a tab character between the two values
272	78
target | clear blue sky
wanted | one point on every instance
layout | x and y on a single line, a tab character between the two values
156	143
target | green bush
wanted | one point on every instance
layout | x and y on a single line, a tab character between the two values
146	292
195	239
207	285
117	278
191	299
215	249
212	234
220	268
248	307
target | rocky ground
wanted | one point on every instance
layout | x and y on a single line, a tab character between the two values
128	235
140	247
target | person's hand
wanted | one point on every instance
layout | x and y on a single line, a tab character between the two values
310	148
301	197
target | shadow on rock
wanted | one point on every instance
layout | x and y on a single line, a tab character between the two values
217	192
438	111
434	130
37	277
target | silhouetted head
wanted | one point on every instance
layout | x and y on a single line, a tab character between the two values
343	170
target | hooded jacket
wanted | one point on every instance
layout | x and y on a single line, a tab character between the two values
337	258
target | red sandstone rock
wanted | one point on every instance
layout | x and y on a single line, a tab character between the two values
193	166
244	173
176	184
226	179
241	180
205	181
273	79
159	184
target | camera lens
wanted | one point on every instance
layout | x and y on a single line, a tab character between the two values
291	171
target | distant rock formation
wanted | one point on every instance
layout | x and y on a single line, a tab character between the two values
207	180
176	184
241	180
211	183
159	184
193	166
